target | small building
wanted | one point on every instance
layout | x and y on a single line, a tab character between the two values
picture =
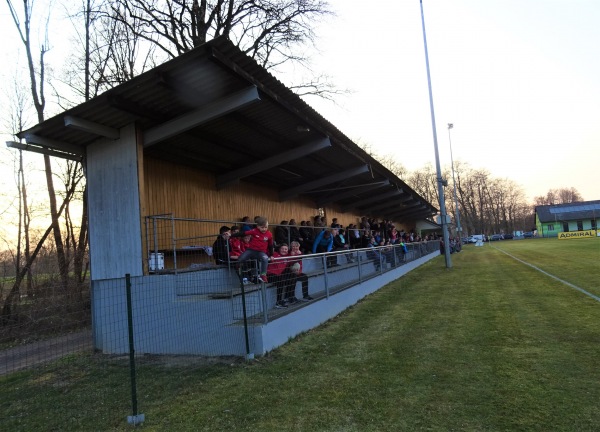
551	220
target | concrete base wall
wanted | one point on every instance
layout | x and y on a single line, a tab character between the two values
168	319
278	332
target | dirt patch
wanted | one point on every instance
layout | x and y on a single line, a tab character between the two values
181	361
35	353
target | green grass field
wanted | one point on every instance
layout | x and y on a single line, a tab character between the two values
490	345
576	261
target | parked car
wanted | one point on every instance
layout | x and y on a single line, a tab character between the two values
495	237
507	236
528	234
475	238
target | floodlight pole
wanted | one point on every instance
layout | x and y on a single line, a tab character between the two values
458	227
440	180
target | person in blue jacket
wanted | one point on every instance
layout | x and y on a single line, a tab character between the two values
324	243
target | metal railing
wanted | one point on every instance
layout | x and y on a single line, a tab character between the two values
321	275
181	244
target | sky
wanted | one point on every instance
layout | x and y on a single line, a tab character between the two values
519	80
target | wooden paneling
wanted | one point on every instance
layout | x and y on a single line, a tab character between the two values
188	193
344	219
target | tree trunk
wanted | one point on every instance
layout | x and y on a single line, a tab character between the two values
9	303
78	260
63	268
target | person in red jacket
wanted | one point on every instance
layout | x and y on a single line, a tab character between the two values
260	246
237	248
280	274
236	244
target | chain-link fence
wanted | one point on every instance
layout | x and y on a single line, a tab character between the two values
197	311
203	312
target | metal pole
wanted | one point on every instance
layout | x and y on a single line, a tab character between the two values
440	181
325	275
249	355
458	227
136	418
174	241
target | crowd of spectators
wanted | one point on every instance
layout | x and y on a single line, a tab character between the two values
274	252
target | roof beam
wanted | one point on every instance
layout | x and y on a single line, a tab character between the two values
416	203
130	107
92	127
295	191
42	150
407	198
54	144
353	190
226	62
201	115
187	94
266	164
382	207
413	218
422	207
420	210
374	198
413	213
412	208
394	203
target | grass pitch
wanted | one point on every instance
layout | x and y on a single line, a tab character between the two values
576	260
489	345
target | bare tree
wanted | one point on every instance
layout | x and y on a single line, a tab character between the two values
21	253
273	32
7	313
510	205
424	182
550	198
569	195
109	52
76	235
108	56
459	167
559	196
486	204
319	86
392	164
37	79
389	161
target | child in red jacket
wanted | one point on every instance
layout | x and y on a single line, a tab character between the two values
281	275
260	247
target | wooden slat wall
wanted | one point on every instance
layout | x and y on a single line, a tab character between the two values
345	219
188	193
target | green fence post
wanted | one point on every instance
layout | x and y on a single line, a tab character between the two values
136	418
249	355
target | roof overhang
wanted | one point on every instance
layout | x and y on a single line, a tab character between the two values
215	109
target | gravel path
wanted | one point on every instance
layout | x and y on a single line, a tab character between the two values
35	353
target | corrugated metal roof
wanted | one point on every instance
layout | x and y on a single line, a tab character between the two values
569	211
275	124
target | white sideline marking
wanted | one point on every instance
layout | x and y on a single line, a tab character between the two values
551	275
